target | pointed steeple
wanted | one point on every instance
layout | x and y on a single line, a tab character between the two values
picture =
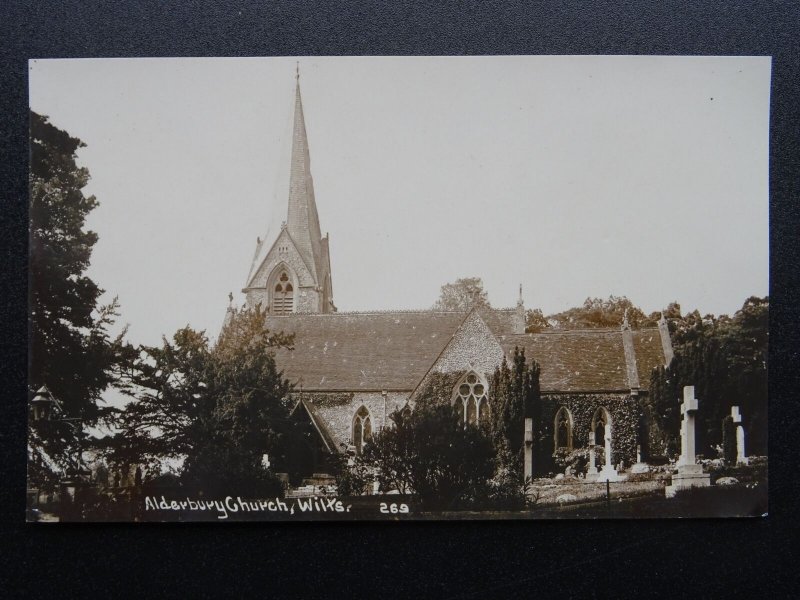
302	220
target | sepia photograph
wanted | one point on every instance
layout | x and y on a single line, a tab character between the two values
398	288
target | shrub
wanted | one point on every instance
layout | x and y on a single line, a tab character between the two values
577	459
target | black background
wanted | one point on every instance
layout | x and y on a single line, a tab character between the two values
584	559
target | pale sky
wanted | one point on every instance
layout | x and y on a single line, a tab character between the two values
574	176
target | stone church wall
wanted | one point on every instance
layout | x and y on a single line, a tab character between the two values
473	344
626	415
338	410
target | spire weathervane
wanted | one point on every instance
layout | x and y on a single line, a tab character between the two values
297	71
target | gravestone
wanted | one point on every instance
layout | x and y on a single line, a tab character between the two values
689	474
639	467
608	472
592	470
528	469
741	456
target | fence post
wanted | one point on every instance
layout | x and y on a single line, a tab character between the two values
608	494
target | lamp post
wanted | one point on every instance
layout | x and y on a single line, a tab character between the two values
45	407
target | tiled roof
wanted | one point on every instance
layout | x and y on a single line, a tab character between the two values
499	320
363	351
587	360
649	353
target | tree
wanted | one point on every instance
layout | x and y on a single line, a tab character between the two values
431	452
220	407
515	396
71	349
725	358
535	320
462	295
597	312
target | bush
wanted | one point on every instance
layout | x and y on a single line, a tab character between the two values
352	476
577	459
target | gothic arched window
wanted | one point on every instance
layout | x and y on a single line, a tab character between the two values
601	426
563	428
362	428
282	301
471	401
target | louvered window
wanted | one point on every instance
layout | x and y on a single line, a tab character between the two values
283	295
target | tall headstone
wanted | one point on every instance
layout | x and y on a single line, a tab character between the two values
528	469
639	467
608	472
592	470
741	455
689	474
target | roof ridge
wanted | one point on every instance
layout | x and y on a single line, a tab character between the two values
374	312
589	330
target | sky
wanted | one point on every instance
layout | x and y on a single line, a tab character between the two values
573	176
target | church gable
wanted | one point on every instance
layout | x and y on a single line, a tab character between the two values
283	259
473	346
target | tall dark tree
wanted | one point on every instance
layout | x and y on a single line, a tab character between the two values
515	397
725	358
212	406
71	350
462	294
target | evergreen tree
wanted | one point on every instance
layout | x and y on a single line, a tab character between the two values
213	406
725	359
516	396
70	349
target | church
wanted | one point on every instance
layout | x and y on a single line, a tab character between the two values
352	370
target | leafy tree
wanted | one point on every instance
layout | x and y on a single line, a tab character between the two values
71	349
535	321
597	313
462	295
431	452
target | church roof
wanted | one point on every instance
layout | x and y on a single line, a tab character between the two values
649	353
499	320
363	351
587	360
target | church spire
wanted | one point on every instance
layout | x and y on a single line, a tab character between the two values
302	219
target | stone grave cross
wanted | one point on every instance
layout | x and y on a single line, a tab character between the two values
741	457
528	472
592	470
688	410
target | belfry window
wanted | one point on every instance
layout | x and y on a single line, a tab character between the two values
362	429
471	402
282	295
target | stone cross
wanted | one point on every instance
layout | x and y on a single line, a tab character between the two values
688	410
528	472
638	454
741	457
607	449
592	470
